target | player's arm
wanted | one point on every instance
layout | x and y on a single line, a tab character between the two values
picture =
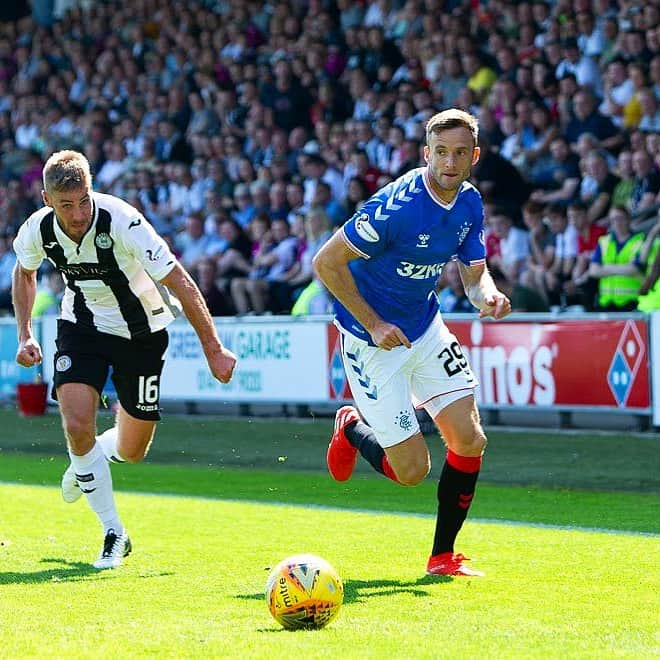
220	359
23	292
331	266
482	292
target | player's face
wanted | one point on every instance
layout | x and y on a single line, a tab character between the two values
73	209
449	155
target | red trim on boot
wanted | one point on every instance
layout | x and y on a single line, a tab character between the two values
468	464
387	469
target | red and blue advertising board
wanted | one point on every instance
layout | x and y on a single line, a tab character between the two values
568	363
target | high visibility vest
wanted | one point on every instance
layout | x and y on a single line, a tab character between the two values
619	290
651	300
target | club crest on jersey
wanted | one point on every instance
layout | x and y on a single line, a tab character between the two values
365	230
63	363
464	231
103	241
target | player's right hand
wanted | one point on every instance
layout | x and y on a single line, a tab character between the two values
388	336
29	353
222	364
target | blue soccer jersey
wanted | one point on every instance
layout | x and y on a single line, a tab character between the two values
405	234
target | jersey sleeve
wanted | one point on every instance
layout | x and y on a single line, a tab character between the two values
473	247
368	229
142	241
28	245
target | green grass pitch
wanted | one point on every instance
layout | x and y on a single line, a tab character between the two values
220	501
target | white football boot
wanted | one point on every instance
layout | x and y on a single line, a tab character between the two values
115	548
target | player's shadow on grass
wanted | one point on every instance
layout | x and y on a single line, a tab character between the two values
61	571
356	591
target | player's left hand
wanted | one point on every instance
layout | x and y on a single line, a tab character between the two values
497	306
222	363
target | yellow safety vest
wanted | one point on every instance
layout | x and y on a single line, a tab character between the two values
651	301
619	290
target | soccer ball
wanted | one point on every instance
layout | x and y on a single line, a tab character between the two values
304	591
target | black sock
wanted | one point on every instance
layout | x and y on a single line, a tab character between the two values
362	437
455	491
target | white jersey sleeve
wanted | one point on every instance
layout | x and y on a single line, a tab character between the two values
140	239
28	245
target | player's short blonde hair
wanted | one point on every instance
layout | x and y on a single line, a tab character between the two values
66	170
452	118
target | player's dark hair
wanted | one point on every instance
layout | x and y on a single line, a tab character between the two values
452	118
66	170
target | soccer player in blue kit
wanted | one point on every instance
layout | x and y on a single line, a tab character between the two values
398	354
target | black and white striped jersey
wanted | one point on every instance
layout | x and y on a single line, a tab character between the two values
112	277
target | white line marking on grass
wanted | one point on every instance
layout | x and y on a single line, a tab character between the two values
403	514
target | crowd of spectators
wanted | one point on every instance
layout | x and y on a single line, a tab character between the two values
246	132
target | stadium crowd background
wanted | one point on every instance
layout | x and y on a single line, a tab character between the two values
247	132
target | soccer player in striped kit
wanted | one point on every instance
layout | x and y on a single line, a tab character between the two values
398	354
123	288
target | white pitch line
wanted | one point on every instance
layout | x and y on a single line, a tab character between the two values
403	514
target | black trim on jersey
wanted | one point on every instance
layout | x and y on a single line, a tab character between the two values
112	276
55	254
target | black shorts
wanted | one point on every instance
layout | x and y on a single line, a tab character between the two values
85	356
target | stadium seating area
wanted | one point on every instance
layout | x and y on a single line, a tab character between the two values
246	131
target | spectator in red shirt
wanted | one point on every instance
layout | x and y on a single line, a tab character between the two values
580	288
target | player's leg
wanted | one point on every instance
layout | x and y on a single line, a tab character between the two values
78	404
137	367
461	430
390	441
443	383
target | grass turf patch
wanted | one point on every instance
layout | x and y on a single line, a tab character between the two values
194	585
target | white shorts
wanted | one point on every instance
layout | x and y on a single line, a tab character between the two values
387	386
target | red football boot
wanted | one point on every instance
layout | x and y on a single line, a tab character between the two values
448	563
342	456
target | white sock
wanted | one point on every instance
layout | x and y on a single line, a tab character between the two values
109	441
95	481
